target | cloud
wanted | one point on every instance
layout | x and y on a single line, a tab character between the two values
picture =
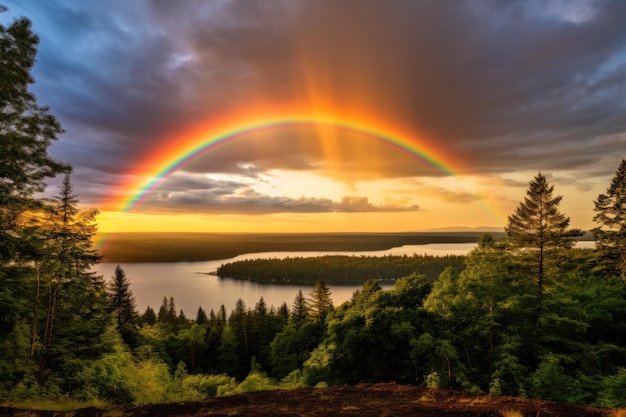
247	201
499	86
194	193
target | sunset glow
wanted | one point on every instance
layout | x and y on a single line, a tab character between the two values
310	117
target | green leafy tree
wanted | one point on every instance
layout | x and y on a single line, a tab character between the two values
610	235
538	228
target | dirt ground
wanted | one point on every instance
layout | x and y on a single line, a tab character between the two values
380	400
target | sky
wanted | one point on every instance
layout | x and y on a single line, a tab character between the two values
454	106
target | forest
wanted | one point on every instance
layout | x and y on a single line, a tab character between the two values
525	315
339	268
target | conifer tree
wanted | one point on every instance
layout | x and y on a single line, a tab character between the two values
538	227
74	302
123	306
299	310
201	316
149	316
26	132
320	303
610	235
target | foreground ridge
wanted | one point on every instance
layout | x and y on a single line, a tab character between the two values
359	400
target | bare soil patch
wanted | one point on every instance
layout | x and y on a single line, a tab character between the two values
380	400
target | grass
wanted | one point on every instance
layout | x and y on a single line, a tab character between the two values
59	405
512	413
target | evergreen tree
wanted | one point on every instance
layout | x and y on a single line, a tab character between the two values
610	235
123	306
283	311
538	227
163	311
201	316
167	311
320	303
26	132
299	310
240	322
74	303
149	316
221	315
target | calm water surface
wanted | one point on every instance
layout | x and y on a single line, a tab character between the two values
192	287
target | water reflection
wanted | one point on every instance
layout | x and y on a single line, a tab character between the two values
192	287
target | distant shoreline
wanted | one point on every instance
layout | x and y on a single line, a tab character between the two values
197	247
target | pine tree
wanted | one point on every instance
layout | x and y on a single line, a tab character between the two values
299	310
610	235
123	306
538	227
283	311
201	316
74	303
320	302
26	132
149	316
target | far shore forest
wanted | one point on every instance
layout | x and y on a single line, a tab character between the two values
524	315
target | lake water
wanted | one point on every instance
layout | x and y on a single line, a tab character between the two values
192	287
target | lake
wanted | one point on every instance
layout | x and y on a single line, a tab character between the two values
192	287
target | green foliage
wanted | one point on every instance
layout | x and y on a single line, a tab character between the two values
299	311
26	132
613	389
255	381
292	347
433	381
551	381
610	235
320	303
123	306
317	368
339	269
539	229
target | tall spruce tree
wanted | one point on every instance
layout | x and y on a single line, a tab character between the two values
610	235
538	228
299	310
74	303
320	302
123	306
26	132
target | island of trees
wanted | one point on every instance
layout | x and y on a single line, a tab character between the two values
526	315
338	269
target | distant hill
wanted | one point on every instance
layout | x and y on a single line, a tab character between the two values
453	229
190	247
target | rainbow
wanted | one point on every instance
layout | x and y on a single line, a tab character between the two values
167	163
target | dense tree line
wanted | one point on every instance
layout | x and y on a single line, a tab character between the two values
527	315
339	268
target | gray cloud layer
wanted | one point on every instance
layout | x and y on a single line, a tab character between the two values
501	85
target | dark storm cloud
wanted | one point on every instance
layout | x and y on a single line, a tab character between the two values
501	85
